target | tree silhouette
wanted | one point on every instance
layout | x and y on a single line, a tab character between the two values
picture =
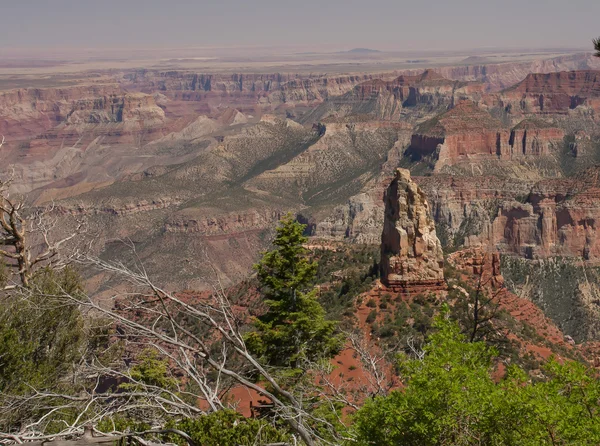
597	46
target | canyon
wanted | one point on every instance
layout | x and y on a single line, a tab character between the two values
195	169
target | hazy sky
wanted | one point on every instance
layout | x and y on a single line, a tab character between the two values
383	24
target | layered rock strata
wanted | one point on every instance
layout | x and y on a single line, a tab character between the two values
502	75
535	220
428	88
463	132
25	112
468	132
398	99
553	217
243	91
535	138
554	93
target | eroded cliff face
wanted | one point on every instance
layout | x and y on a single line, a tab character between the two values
411	254
554	93
359	220
503	75
35	121
398	99
243	91
560	218
428	88
117	108
216	223
530	219
467	134
534	138
36	110
553	217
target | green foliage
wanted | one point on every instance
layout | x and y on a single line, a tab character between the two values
151	370
41	335
434	405
345	274
563	409
286	270
228	428
42	339
449	398
120	423
371	317
294	327
3	274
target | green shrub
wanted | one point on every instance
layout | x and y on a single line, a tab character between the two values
228	428
371	317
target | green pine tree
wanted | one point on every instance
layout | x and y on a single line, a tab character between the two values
294	327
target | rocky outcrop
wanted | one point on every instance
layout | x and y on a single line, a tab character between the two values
461	206
483	264
411	254
533	220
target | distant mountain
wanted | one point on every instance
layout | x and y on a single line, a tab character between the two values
363	51
476	60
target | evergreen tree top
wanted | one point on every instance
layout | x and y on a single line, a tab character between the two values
285	270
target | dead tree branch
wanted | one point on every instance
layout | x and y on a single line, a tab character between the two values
27	240
152	316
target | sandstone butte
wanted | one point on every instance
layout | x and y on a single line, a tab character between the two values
411	254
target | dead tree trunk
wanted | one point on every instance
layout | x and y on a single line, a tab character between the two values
21	228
